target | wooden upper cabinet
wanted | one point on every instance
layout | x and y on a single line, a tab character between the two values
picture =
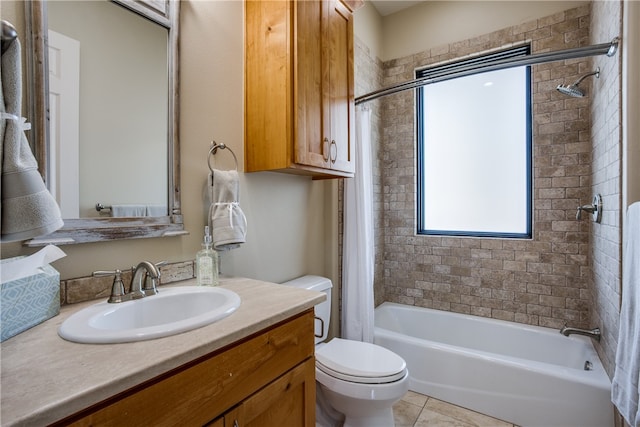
299	93
311	121
341	87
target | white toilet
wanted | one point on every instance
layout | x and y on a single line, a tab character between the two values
361	381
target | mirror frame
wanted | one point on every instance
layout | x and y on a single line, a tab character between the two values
163	12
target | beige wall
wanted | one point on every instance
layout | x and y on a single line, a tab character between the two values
435	23
288	234
367	26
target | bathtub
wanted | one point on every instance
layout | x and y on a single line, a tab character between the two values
527	375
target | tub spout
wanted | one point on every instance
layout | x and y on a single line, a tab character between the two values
591	333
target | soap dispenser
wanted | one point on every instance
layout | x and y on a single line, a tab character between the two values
207	263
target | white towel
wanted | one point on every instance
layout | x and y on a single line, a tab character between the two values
626	378
226	220
157	210
128	210
28	209
134	210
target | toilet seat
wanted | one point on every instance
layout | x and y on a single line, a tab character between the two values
359	362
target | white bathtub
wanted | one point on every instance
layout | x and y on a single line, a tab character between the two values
527	375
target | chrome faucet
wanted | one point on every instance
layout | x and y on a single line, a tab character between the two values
144	282
591	333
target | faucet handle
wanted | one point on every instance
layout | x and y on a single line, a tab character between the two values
117	288
595	209
150	288
150	283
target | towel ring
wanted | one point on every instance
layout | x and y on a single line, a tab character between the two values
214	149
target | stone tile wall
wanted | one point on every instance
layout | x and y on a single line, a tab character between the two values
542	281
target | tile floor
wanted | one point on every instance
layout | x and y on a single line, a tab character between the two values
418	410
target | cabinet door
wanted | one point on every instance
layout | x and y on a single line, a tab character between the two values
288	401
229	419
341	101
268	85
218	422
311	124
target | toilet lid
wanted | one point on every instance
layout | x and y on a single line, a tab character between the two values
359	362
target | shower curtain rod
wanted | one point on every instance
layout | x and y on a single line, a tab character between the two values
608	49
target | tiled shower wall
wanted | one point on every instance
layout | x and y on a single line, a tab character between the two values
606	173
542	281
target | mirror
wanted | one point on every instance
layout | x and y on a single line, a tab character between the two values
147	155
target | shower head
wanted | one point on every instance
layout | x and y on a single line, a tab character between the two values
573	89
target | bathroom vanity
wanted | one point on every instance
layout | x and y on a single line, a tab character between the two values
255	367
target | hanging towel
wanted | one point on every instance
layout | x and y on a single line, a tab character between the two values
128	210
156	210
626	378
28	209
226	220
134	210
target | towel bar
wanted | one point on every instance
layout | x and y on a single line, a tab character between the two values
214	149
100	207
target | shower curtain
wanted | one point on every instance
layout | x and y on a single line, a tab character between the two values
358	240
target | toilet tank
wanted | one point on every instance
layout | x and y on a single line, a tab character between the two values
322	310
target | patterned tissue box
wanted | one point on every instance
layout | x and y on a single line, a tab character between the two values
29	301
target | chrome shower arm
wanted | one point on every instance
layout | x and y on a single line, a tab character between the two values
593	73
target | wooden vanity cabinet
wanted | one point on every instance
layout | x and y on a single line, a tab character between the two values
265	380
299	87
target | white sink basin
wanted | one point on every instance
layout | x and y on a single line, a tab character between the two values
170	312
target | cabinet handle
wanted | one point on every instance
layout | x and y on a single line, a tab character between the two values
334	151
235	423
325	149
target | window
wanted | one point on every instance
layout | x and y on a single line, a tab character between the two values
474	150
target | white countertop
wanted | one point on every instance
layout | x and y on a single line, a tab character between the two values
45	378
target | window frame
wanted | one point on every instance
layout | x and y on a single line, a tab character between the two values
451	68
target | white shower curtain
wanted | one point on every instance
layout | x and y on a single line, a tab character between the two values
358	240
